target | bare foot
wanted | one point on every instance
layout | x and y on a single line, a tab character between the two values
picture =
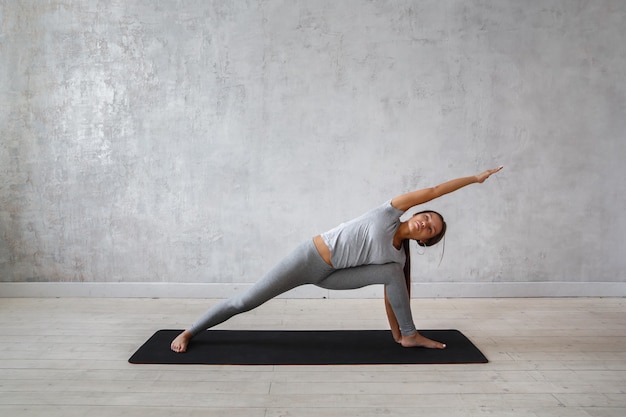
179	345
417	340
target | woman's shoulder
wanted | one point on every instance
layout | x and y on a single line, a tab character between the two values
388	206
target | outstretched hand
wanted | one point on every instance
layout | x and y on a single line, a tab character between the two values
484	175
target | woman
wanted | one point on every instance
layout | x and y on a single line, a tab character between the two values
371	249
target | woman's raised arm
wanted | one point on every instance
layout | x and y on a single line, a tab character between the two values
414	198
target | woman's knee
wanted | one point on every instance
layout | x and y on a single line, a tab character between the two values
238	304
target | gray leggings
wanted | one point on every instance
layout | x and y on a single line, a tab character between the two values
305	266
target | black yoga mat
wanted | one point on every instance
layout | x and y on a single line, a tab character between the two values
299	347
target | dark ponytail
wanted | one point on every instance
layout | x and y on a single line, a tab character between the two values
407	265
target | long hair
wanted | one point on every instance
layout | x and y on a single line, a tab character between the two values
407	265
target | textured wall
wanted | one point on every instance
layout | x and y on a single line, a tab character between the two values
198	141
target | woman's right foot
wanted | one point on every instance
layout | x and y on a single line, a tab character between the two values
179	345
417	340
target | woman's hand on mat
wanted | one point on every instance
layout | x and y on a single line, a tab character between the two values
484	175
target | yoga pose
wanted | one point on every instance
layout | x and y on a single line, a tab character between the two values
371	249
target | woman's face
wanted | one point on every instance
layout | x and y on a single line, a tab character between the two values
424	226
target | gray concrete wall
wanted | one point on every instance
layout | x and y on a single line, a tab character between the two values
195	141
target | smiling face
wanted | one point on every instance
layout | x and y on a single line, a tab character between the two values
425	226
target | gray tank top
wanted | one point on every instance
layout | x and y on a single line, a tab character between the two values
366	240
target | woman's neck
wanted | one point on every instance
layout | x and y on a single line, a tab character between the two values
402	233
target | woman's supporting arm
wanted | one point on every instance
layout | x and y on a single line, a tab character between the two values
393	322
391	316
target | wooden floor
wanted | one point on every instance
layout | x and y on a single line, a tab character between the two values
548	357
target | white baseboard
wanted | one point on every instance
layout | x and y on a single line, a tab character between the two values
418	290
